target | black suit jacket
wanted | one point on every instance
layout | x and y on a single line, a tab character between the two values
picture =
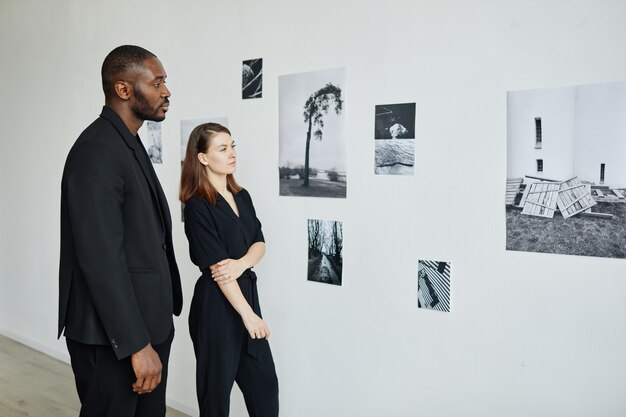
118	281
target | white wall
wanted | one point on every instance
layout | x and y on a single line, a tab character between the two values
601	132
557	109
582	127
529	334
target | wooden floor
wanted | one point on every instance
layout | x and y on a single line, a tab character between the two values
36	385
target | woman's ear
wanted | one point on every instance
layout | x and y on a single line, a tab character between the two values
202	159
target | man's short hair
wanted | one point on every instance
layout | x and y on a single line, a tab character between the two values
121	61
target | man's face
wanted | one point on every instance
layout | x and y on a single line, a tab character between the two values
151	96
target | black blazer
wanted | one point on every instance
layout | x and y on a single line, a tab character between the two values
118	279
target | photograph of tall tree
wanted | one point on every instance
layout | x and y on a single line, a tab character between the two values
312	139
325	251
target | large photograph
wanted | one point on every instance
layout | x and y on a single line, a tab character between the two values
566	176
312	134
325	251
394	134
433	285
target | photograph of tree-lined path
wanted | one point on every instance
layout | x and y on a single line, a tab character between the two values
325	251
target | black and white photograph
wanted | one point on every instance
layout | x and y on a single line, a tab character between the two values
433	285
186	127
566	176
252	79
312	134
325	251
153	142
394	134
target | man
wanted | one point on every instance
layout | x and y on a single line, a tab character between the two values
118	282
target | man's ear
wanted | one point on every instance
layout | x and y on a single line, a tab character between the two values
123	89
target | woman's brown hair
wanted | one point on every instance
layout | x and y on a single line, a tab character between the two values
193	179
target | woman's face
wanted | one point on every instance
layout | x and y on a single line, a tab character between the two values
220	158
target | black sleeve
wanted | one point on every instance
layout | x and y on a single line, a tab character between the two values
205	244
258	234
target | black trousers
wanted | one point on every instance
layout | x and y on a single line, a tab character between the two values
104	383
225	354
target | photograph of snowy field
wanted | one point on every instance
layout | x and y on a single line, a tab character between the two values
394	134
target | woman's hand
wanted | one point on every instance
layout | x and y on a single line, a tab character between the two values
227	270
256	327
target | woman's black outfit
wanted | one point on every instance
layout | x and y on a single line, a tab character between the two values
225	353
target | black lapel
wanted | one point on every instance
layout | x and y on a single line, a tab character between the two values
133	143
153	180
223	205
163	207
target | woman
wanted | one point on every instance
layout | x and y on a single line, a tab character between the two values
225	242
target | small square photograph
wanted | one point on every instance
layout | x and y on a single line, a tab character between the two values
153	142
325	251
394	134
252	79
433	285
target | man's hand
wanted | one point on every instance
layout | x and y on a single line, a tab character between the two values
147	367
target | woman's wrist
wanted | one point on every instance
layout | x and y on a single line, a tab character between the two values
244	263
247	314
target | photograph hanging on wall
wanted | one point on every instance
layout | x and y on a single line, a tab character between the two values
252	79
325	251
186	127
152	141
394	134
433	285
312	134
566	177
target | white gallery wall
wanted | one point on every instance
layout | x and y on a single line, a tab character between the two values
557	109
528	334
582	127
601	132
